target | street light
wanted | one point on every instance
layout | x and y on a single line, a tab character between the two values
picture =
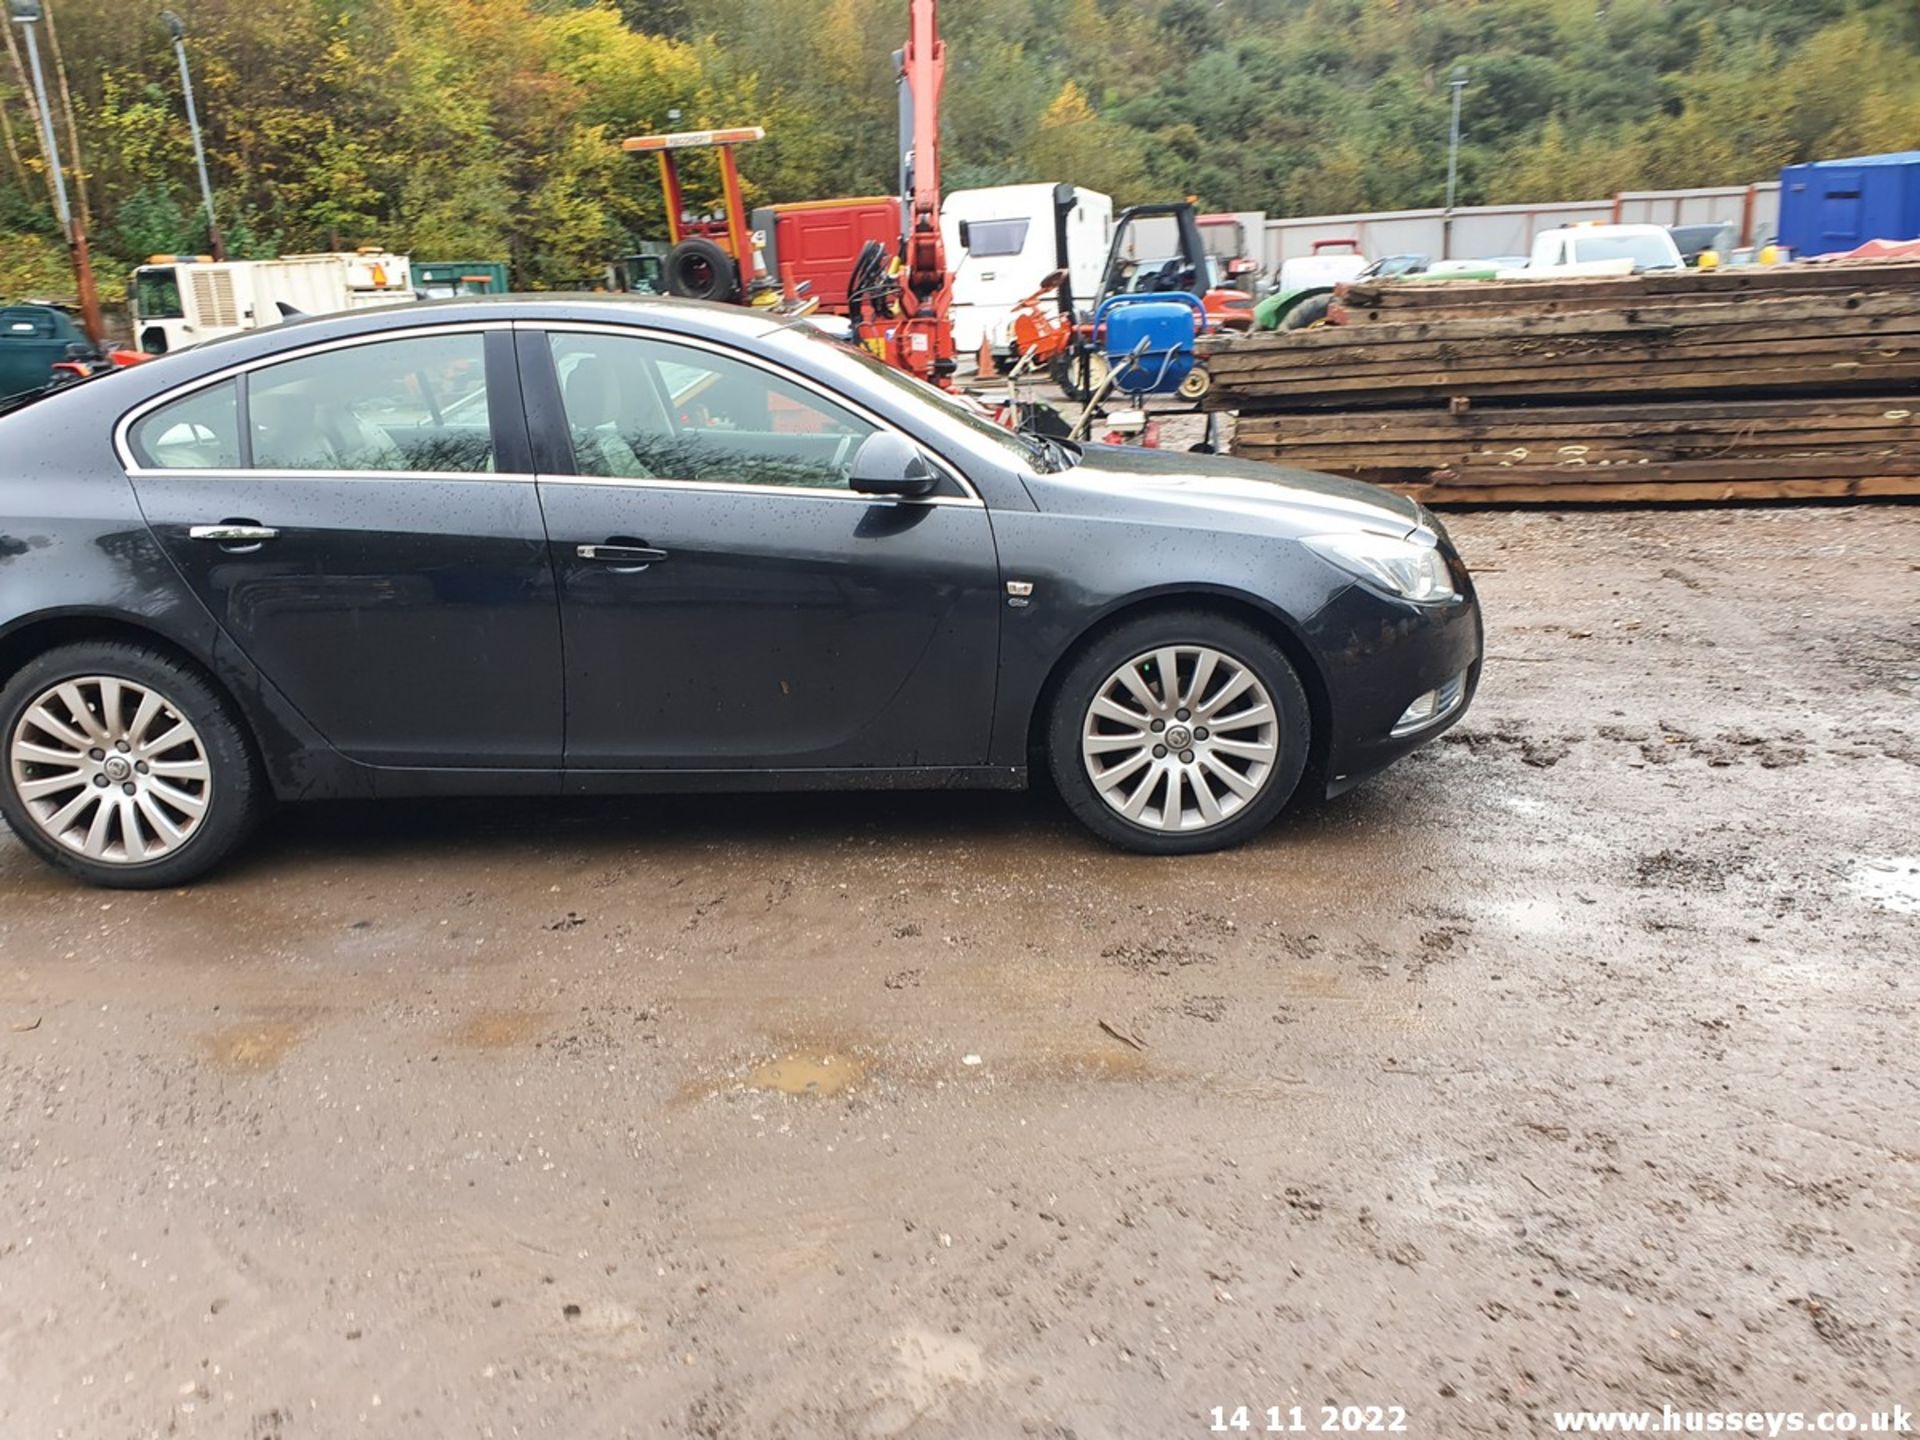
1459	82
177	28
26	14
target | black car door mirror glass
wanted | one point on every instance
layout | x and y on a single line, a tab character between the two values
890	464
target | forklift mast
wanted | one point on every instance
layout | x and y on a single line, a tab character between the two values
1192	250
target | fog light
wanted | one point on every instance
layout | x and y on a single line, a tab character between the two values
1434	705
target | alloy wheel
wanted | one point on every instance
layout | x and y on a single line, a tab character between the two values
1180	738
110	769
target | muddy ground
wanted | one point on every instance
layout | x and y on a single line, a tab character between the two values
1570	1063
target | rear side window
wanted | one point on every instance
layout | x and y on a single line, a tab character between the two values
417	404
201	432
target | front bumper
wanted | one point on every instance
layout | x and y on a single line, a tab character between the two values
1378	656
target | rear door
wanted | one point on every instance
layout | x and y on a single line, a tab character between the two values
362	520
728	601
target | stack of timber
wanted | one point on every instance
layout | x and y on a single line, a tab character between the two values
1788	383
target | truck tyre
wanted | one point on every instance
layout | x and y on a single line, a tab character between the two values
1308	313
699	269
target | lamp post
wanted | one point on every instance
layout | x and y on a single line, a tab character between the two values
1458	82
177	28
27	14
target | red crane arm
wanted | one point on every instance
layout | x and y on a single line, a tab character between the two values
924	66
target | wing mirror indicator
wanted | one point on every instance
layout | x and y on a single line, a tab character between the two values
889	464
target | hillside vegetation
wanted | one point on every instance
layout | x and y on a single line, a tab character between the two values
478	129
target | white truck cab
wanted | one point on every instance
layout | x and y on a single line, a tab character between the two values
1010	248
1600	250
182	300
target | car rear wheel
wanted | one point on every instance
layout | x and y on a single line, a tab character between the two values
1179	732
124	767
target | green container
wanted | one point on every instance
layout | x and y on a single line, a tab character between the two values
445	279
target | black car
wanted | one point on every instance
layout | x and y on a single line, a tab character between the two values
577	546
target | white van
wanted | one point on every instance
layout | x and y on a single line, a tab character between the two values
1580	250
1010	249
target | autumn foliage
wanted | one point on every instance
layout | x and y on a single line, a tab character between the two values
488	129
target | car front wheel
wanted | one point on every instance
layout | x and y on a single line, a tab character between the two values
123	766
1179	732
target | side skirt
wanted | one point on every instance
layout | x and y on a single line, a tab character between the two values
394	781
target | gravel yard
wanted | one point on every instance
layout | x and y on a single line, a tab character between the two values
1568	1064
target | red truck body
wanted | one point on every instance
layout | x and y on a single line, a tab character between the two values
817	241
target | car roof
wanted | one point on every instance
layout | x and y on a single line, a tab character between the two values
669	312
700	319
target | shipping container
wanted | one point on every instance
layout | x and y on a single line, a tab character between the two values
1828	206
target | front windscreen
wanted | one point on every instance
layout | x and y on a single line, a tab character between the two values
1645	251
953	409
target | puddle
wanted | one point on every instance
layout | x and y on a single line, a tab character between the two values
818	1075
497	1029
1892	883
250	1048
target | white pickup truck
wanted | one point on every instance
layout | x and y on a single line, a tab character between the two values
1599	250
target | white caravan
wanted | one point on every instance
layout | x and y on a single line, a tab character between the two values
1010	248
179	300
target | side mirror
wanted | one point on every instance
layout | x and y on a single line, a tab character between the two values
966	235
887	464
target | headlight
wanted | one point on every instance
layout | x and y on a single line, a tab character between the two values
1410	569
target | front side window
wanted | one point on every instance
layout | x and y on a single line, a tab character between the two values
415	404
645	409
987	238
200	432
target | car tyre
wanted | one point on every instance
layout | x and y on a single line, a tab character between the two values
1266	757
193	816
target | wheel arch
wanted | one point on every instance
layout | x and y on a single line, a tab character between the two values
26	642
1231	604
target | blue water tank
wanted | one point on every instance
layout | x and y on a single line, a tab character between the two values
1167	326
1831	205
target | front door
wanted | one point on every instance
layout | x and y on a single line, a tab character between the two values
728	601
362	522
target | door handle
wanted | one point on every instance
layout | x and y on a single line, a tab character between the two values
620	554
233	532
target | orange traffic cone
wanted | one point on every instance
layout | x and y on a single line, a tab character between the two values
985	367
761	289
